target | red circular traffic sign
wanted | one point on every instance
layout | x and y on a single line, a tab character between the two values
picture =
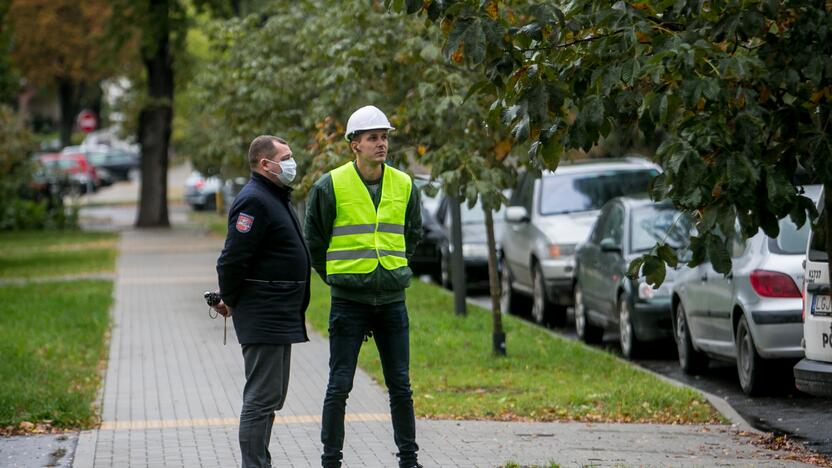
87	121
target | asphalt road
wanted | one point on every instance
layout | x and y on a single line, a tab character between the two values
783	411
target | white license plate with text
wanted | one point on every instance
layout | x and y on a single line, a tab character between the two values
822	305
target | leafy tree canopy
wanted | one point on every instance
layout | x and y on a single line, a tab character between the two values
741	89
302	70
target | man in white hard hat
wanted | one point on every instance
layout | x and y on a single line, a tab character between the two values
363	222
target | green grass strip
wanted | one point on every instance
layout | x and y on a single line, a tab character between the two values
45	254
215	223
52	341
543	378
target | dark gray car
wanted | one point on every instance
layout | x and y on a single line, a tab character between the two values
605	298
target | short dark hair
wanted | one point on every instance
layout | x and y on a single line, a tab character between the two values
262	147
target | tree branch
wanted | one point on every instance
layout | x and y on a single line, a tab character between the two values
569	44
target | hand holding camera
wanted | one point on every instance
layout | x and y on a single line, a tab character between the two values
214	301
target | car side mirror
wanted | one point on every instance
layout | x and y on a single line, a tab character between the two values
609	245
517	214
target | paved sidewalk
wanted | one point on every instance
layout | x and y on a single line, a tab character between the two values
172	393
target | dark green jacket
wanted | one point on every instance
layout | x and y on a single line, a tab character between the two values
379	287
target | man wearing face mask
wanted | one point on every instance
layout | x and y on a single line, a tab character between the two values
264	284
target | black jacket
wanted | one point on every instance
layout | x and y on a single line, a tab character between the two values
264	267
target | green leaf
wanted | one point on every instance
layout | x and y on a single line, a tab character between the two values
718	254
635	267
521	130
552	150
413	6
474	42
654	270
666	253
659	187
698	250
476	88
663	109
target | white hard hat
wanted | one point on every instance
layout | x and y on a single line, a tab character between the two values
367	118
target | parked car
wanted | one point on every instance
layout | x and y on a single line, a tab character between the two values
426	258
751	316
83	177
474	242
201	192
813	374
605	298
119	163
230	188
548	215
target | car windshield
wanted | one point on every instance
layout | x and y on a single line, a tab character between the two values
567	193
476	215
791	240
651	224
97	157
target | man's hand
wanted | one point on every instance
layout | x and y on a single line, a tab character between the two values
223	309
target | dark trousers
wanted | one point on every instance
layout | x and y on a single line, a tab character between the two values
349	323
267	380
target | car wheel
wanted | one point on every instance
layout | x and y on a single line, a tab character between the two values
540	304
749	363
586	331
690	360
630	346
508	298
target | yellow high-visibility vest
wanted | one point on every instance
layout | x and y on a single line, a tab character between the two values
363	236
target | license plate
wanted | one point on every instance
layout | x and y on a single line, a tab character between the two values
822	305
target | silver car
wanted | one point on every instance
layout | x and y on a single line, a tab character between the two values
751	316
548	215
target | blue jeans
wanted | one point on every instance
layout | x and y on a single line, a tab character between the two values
349	325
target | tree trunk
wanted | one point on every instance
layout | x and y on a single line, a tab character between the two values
155	124
457	260
498	336
69	100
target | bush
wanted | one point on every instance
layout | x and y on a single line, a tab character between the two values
21	205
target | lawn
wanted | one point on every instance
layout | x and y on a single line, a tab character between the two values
44	254
217	224
52	340
544	377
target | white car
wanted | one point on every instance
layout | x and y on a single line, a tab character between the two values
201	192
813	374
548	215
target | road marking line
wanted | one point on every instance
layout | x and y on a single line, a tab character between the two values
203	422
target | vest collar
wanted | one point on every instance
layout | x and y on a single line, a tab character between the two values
355	165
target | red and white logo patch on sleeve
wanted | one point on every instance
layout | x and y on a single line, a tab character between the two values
244	223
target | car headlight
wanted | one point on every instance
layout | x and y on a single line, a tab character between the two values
645	291
474	250
561	250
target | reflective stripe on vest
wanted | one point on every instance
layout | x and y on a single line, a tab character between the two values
363	236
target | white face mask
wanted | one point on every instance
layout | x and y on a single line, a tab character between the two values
288	170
